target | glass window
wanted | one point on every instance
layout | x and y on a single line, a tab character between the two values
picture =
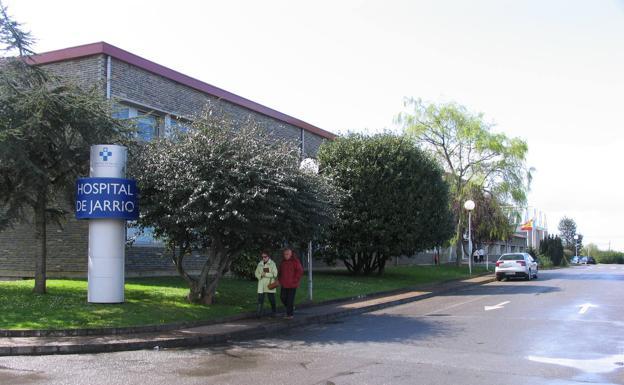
121	112
143	237
512	257
176	125
146	126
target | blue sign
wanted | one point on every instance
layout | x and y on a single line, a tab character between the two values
113	198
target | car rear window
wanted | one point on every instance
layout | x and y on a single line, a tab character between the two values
512	257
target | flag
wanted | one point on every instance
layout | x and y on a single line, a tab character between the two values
527	226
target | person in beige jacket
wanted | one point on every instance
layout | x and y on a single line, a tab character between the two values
266	273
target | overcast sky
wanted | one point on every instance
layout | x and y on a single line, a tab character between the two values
551	72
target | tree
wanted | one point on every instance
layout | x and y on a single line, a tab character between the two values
395	201
567	230
46	128
471	155
13	36
490	222
221	190
552	248
591	249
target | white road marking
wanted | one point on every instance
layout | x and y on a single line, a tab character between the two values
597	366
456	305
584	307
496	307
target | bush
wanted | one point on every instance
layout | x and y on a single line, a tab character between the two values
396	201
544	261
610	257
552	247
245	265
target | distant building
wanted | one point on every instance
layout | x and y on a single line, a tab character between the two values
160	99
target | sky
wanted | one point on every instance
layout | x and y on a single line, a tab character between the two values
548	71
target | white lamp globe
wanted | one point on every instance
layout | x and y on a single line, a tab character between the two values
469	205
309	165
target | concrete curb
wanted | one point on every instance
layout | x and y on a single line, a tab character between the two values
258	331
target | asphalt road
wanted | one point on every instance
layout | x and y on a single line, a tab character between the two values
566	327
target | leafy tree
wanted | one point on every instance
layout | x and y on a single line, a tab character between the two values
396	201
470	153
567	230
46	128
222	190
552	248
490	221
13	36
579	242
590	249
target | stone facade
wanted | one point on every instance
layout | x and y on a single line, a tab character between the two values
87	71
166	96
139	88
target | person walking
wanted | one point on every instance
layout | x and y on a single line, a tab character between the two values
266	274
290	273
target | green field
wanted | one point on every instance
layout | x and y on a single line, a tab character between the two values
162	300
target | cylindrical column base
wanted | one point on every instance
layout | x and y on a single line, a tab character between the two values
107	238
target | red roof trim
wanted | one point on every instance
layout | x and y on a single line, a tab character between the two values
130	58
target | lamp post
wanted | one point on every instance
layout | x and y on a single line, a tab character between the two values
309	165
469	206
576	237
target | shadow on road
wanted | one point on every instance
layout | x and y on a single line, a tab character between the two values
387	328
506	288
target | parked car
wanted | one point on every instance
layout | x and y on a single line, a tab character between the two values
591	260
583	260
516	265
575	260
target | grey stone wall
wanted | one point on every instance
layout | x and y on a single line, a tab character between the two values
167	96
312	143
67	249
68	253
89	71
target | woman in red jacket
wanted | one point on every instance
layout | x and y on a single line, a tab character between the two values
290	272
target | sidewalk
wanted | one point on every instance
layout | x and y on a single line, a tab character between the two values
230	330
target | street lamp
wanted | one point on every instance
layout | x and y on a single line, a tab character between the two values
469	205
310	166
576	237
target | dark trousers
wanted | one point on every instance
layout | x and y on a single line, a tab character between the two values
271	300
287	295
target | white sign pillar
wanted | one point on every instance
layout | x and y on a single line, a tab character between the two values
107	236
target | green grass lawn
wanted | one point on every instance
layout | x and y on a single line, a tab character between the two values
162	300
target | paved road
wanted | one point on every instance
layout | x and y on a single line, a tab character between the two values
565	328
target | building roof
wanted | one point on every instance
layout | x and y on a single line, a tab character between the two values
147	65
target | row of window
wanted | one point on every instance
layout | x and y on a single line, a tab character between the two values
150	125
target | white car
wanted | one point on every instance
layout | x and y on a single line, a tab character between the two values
516	265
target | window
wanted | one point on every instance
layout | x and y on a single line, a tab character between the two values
147	123
121	112
512	257
147	127
142	238
175	125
